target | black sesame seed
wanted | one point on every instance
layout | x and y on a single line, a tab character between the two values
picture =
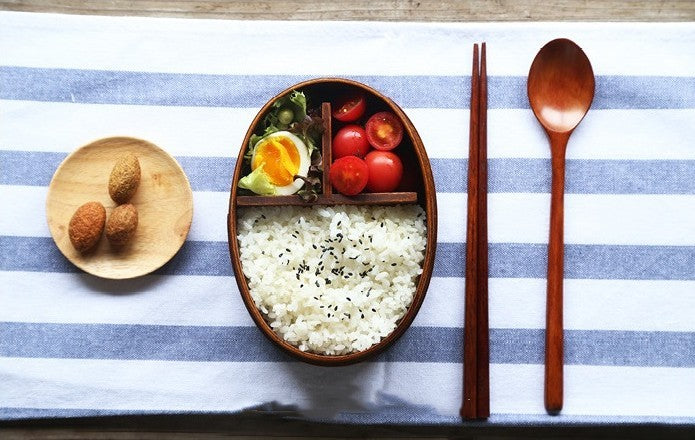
348	298
362	315
263	216
374	310
339	222
317	283
280	256
328	281
314	246
393	264
335	308
288	250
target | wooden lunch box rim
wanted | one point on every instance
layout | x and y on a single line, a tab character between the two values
429	203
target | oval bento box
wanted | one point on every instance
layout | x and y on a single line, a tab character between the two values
419	189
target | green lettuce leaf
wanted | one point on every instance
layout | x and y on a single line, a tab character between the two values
258	182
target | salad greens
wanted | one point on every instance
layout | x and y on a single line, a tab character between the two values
258	182
288	113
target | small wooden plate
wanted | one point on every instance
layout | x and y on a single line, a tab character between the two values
164	201
419	189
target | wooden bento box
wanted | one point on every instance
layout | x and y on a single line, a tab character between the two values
416	187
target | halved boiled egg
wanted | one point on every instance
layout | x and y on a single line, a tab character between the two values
282	155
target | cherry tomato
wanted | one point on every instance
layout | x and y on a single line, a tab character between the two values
349	175
349	107
384	131
385	171
350	140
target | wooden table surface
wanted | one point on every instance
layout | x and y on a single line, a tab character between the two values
392	10
255	425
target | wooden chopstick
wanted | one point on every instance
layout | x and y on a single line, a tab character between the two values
476	394
469	409
483	343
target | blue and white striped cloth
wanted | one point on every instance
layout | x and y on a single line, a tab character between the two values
181	341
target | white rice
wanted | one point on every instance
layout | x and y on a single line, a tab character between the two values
332	280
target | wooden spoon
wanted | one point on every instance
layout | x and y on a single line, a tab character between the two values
560	90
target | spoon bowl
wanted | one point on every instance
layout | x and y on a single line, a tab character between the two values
560	85
560	90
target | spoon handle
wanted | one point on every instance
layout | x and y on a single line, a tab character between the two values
554	326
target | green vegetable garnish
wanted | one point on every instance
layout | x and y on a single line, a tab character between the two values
285	116
258	182
287	113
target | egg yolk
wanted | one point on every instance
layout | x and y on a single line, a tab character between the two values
281	159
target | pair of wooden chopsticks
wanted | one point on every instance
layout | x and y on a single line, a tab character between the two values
476	352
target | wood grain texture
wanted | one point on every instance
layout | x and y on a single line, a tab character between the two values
469	408
476	380
164	201
483	336
373	10
560	90
554	341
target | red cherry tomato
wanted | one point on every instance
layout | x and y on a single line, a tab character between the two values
349	107
385	171
349	175
350	140
384	131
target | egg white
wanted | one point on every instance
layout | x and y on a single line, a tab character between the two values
304	162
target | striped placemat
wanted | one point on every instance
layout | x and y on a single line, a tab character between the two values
181	341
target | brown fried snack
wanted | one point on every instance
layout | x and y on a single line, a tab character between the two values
125	178
86	226
121	225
